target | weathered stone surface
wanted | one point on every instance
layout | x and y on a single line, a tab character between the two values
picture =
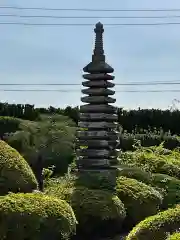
98	91
99	108
98	125
98	99
97	138
93	162
98	67
99	153
98	117
98	76
99	84
98	143
97	135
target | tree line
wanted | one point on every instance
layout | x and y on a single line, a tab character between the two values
130	120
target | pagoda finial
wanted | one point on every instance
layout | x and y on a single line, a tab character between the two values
98	64
98	50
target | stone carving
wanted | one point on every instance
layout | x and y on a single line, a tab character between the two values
97	136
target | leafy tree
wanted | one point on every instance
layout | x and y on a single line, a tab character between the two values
50	138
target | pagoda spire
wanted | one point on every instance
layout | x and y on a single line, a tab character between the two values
98	64
98	49
97	137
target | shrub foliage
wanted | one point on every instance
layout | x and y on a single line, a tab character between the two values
175	236
157	226
15	173
35	216
154	160
140	200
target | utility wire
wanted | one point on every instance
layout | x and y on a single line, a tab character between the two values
72	90
90	10
90	17
88	24
79	84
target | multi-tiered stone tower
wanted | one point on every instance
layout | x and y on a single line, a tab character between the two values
97	136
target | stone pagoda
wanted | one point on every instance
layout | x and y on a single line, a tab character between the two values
97	136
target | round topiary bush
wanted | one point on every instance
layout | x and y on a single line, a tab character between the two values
97	211
135	173
15	173
35	216
140	200
175	236
157	226
171	186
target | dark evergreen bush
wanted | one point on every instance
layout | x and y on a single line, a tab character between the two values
9	125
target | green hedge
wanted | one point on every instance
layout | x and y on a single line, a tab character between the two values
15	173
8	125
140	200
157	226
171	186
175	236
127	141
35	216
157	160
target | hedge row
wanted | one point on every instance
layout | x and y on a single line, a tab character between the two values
9	125
127	141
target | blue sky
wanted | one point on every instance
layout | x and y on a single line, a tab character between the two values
57	54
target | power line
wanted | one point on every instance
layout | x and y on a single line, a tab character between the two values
72	90
79	84
90	10
90	17
88	24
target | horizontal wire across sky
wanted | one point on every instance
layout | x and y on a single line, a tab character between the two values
33	10
86	17
76	90
90	10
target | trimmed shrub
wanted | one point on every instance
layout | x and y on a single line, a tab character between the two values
171	186
154	160
175	236
135	173
97	179
15	173
97	209
35	216
140	200
158	226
